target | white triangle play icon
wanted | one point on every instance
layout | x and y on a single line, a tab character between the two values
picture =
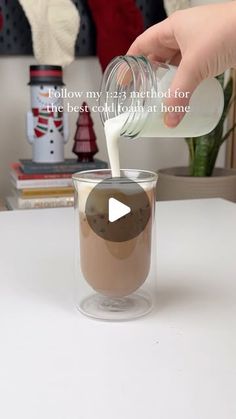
116	210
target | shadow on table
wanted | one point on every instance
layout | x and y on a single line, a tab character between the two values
175	297
42	283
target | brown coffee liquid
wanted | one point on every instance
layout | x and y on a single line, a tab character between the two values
115	269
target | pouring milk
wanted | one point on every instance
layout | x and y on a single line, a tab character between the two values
143	115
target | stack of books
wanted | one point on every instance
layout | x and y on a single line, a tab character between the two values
41	185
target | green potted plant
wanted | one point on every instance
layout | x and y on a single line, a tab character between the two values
201	179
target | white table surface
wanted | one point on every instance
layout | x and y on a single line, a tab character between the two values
179	362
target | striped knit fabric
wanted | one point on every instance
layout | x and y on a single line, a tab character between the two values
43	116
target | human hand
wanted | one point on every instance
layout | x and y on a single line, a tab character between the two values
200	40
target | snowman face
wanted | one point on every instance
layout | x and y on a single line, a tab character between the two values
45	95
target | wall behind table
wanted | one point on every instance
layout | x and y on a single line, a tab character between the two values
84	74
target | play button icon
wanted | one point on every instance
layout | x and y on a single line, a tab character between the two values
116	210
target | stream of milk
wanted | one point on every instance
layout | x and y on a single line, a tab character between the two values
112	129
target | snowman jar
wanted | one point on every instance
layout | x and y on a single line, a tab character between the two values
47	123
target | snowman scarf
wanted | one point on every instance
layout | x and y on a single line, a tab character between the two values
42	125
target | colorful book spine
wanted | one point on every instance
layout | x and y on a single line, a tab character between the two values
20	175
68	166
45	185
40	183
45	192
14	202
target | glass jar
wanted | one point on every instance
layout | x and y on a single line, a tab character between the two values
115	269
137	89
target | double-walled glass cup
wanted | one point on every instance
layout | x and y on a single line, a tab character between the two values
115	254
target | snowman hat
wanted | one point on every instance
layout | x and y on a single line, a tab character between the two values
46	75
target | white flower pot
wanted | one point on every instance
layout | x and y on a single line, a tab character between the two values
174	183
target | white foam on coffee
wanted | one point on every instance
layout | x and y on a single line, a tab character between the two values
85	188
